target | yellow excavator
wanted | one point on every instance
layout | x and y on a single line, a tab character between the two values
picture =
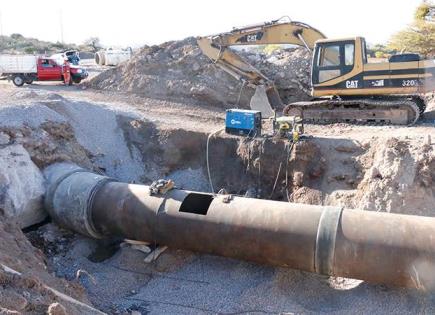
345	86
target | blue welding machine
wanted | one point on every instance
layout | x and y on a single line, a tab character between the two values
243	122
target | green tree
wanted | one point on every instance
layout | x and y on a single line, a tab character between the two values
29	50
17	36
418	37
379	51
379	54
92	44
422	11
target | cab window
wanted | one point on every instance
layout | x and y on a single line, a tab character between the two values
329	62
333	60
349	52
330	56
46	63
364	51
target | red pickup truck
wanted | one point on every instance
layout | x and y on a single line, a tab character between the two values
26	69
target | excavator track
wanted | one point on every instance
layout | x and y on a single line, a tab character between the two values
384	110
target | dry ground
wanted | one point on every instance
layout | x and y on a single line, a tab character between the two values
181	282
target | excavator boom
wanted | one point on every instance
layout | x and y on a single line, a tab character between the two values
216	47
275	32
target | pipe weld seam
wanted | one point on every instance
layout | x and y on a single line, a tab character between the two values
89	222
325	240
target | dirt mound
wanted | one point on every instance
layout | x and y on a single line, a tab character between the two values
178	70
400	179
290	70
49	143
26	286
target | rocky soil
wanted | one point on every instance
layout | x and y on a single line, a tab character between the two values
139	139
27	286
149	119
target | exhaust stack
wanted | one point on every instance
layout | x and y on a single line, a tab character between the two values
376	247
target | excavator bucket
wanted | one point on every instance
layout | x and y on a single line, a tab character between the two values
265	97
274	98
265	100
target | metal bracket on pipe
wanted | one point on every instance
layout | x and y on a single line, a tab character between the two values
325	240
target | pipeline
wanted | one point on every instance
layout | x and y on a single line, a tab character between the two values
377	247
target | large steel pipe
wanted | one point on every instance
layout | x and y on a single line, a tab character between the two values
377	247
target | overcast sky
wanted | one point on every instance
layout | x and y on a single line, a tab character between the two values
135	22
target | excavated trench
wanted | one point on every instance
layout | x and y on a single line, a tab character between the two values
378	174
393	174
314	171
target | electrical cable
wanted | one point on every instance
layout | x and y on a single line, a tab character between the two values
276	180
207	158
260	151
286	170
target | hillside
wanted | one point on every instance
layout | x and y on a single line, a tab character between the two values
18	44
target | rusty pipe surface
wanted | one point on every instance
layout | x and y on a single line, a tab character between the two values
377	247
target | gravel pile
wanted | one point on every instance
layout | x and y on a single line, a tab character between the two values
179	71
290	70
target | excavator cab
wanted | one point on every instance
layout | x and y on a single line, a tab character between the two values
348	88
335	58
340	68
337	65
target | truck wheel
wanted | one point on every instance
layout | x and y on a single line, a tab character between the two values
18	80
29	81
77	81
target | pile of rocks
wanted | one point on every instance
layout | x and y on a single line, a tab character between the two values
290	70
179	71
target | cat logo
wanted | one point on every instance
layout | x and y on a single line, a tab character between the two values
352	84
249	38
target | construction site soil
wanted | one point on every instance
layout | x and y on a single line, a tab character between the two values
150	118
179	71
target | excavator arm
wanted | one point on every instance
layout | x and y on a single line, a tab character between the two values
216	47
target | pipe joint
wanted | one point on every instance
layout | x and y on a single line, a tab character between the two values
325	240
70	194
